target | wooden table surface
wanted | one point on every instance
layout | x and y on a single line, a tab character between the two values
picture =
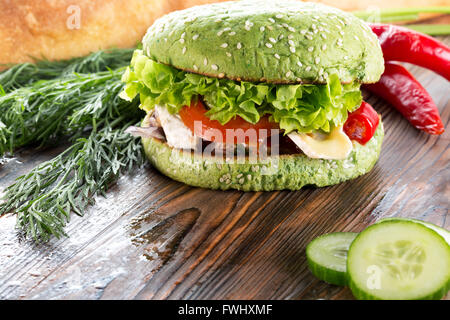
154	238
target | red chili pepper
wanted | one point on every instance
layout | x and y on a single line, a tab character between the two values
361	124
402	44
399	87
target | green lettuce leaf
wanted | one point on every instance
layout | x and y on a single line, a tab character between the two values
301	107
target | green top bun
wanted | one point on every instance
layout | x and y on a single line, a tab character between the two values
267	41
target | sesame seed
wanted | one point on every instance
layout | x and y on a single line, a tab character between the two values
313	26
239	175
292	49
271	20
299	64
270	28
323	35
221	180
311	49
321	71
228	54
195	37
184	50
232	33
227	29
268	45
308	68
183	35
224	45
316	17
309	37
291	43
303	32
346	58
276	55
205	62
262	29
249	177
195	68
181	40
288	74
291	29
165	39
290	36
221	75
248	25
214	67
272	40
342	33
218	20
281	36
239	45
324	47
317	60
241	181
285	25
356	37
219	33
279	16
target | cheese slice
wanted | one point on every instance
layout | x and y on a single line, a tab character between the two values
336	145
177	134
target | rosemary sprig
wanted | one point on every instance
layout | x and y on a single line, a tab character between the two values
44	198
28	73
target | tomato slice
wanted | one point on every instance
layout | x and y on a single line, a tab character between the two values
362	123
238	130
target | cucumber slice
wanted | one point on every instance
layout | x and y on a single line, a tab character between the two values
398	259
327	256
441	231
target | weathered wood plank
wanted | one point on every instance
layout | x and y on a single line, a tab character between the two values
153	238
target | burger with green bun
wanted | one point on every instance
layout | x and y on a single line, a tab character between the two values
257	95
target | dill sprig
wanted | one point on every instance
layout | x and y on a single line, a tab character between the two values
27	73
76	100
72	106
59	107
44	198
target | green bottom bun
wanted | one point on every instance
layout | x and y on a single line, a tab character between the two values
291	172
